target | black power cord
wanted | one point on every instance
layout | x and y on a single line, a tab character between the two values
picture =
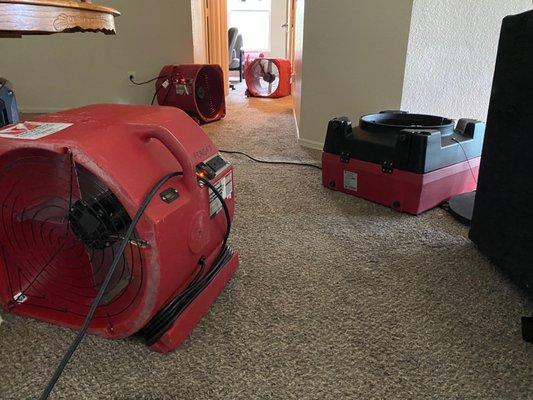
155	95
301	164
96	302
132	80
169	88
165	317
466	158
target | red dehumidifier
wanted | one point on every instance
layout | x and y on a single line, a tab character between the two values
268	77
197	89
409	162
70	184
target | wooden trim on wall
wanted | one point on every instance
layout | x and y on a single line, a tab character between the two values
216	14
199	32
291	20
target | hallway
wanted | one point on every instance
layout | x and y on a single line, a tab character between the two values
335	298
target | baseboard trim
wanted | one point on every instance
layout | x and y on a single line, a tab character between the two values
295	121
38	110
305	142
311	144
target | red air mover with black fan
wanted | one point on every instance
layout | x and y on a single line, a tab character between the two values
268	77
70	184
197	89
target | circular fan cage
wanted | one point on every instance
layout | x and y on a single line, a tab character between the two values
59	233
209	93
268	77
197	89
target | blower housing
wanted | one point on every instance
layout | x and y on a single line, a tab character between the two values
409	162
197	89
69	185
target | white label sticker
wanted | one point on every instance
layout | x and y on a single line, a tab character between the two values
32	130
225	187
350	180
165	83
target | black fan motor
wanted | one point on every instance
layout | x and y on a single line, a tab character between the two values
100	221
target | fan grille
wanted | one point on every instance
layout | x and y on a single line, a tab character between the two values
209	92
51	270
265	75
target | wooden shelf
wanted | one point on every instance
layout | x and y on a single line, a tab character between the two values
23	17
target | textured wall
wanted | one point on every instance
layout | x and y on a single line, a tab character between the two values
451	55
353	61
67	70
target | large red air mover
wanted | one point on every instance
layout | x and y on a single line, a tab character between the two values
197	89
409	162
268	77
69	185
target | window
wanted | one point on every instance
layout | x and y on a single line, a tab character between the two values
252	18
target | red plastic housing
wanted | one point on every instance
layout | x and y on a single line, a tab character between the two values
253	82
403	191
197	89
128	148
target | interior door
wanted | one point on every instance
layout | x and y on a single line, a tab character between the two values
291	22
279	28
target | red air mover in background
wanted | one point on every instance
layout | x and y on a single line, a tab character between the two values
268	77
70	184
197	89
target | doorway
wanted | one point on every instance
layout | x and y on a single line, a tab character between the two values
256	27
264	26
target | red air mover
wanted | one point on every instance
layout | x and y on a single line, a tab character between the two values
409	162
69	185
195	88
268	77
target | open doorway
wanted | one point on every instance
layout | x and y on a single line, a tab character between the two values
256	27
226	32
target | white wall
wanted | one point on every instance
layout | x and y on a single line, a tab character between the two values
352	63
451	55
67	70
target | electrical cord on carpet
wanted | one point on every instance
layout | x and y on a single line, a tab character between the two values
96	302
301	164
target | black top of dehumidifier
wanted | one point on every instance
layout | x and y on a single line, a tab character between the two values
410	142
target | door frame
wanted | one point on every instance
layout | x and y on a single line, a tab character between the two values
210	34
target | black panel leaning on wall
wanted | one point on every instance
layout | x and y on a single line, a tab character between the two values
502	224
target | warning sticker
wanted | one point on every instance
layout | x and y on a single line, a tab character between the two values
32	130
225	187
350	180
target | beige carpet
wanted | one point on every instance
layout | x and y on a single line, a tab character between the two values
336	298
